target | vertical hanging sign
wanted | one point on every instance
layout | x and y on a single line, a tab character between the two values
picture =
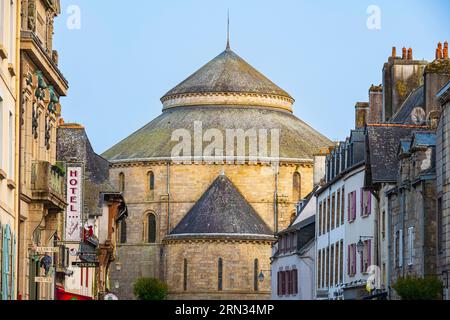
74	200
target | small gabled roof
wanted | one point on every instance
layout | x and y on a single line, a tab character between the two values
222	211
423	139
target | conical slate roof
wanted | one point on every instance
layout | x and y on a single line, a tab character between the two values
227	73
222	211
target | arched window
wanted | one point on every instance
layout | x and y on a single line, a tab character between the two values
121	182
255	275
123	231
220	275
151	228
151	181
185	275
296	186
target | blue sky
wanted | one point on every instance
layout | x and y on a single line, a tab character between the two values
128	54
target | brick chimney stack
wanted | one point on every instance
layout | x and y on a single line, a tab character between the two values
446	50
404	53
439	51
394	52
410	54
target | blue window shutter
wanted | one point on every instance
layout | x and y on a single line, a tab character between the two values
13	267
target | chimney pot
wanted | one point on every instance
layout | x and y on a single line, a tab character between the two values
394	52
439	51
404	53
410	54
446	50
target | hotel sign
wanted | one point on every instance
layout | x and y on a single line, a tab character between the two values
43	279
44	250
74	223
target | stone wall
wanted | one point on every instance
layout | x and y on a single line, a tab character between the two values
187	185
202	269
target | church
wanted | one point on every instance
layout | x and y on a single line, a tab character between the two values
206	228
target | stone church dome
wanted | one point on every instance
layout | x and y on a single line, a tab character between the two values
226	93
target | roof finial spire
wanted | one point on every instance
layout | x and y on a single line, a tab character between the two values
228	31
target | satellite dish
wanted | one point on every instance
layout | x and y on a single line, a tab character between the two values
418	115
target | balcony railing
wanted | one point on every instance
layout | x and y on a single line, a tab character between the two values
47	183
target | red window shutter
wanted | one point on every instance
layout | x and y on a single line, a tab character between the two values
349	270
362	202
354	205
289	281
82	274
349	205
370	202
369	253
279	283
283	283
354	258
295	273
362	262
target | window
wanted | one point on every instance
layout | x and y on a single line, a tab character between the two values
185	266
343	207
220	275
333	211
295	281
366	199
2	18
123	231
151	181
351	206
351	260
328	214
290	286
12	21
151	228
410	246
327	271
255	275
338	209
336	264
366	256
398	248
332	265
324	217
319	269
121	182
383	225
320	218
296	186
440	227
341	262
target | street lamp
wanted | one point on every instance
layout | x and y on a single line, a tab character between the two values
261	275
360	245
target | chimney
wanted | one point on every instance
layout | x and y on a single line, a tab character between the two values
404	53
394	52
410	54
375	104
319	168
361	114
446	50
439	51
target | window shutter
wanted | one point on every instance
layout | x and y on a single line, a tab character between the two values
354	258
349	205
369	205
295	273
369	253
349	270
362	262
279	283
362	202
354	205
289	276
283	283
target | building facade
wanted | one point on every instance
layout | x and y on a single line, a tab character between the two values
41	187
103	209
9	92
167	235
292	262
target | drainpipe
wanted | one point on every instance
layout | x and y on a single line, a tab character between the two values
422	227
388	239
17	157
